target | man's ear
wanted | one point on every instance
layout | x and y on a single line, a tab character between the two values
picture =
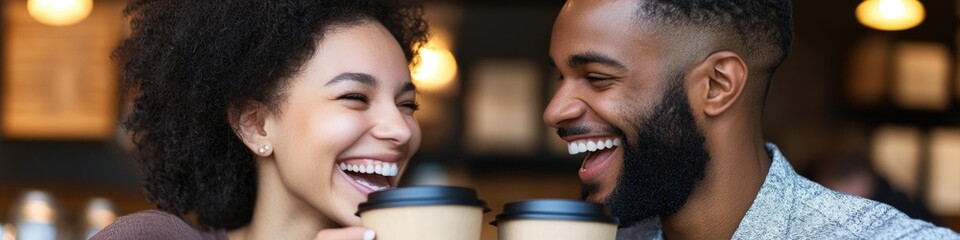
248	122
727	78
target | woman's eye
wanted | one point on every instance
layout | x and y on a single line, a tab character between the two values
354	97
409	107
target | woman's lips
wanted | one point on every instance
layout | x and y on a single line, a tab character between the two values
369	175
379	168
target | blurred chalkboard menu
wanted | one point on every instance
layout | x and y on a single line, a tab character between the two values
59	82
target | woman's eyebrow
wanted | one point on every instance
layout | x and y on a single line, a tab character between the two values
363	78
407	87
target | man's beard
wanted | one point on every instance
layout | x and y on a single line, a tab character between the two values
662	168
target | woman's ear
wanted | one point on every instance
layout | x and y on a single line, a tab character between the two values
248	122
727	78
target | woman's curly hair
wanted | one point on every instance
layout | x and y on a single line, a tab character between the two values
188	62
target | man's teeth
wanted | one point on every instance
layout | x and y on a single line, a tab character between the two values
592	145
384	169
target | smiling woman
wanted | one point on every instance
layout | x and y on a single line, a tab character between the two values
267	119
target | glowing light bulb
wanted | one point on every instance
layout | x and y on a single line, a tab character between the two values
892	9
890	15
59	12
436	67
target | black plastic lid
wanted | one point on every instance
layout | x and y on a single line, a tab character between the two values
421	196
556	209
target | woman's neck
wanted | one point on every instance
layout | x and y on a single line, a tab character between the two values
278	214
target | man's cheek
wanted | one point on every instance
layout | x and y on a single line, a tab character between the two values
609	182
628	126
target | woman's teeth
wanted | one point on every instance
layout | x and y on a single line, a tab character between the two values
592	145
383	169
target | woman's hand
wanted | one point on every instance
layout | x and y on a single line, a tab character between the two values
348	233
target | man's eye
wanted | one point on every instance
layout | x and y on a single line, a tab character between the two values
354	97
597	77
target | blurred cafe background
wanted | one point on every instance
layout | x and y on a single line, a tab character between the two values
867	103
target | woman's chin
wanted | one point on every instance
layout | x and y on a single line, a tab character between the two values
343	214
350	221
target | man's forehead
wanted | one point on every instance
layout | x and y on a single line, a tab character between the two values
621	51
596	20
614	29
599	11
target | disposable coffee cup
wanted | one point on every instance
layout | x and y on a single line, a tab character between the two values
424	213
555	219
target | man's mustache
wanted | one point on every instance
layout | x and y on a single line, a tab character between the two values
580	130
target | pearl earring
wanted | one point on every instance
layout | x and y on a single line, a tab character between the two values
264	149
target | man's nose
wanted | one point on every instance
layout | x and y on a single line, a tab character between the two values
564	107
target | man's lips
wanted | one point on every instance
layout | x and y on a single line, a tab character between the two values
600	151
593	144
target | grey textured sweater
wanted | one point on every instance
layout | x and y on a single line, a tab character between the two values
790	206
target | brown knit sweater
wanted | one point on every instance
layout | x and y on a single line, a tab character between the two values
154	224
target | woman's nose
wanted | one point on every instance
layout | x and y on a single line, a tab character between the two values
392	126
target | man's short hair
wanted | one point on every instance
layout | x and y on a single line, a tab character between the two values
761	29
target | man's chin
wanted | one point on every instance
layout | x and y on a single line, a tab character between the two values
593	193
597	200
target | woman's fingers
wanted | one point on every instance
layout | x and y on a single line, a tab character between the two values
349	233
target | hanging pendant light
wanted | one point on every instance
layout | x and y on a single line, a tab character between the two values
59	12
890	15
436	67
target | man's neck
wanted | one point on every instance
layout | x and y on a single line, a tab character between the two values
716	206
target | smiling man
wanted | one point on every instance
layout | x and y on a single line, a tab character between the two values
665	99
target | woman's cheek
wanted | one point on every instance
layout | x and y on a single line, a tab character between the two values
343	128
